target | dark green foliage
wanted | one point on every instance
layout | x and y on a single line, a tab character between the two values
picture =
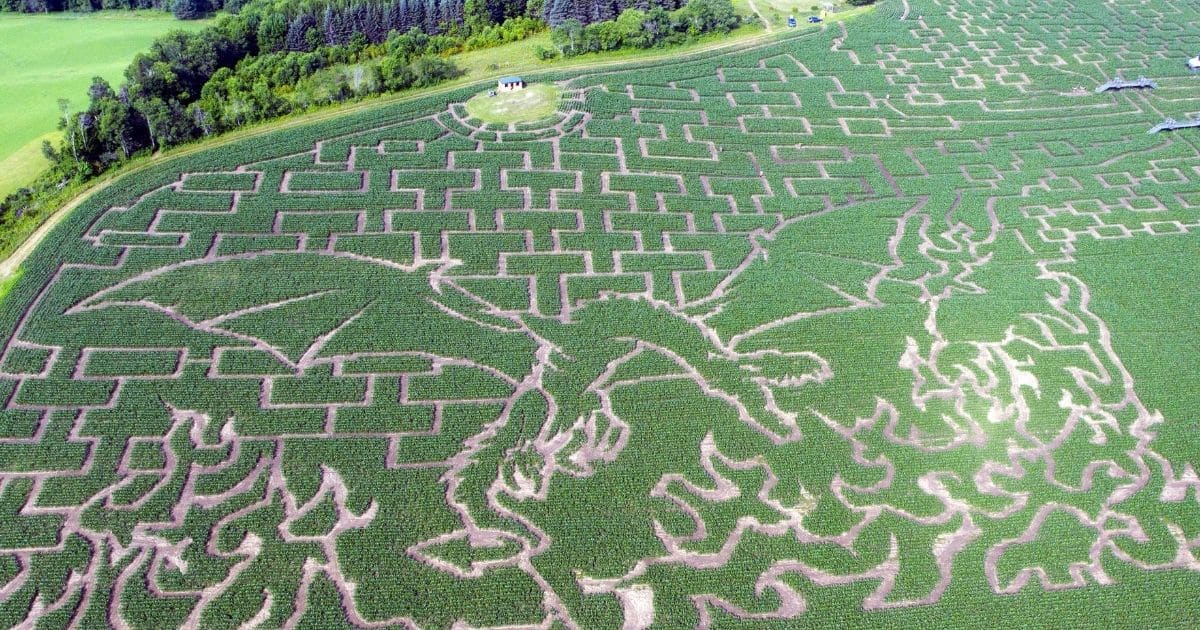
558	12
421	72
190	9
636	28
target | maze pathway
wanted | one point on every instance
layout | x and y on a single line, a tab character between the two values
830	327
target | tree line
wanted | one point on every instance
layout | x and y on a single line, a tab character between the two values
374	17
638	28
86	6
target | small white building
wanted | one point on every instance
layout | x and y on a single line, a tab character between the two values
510	84
1194	63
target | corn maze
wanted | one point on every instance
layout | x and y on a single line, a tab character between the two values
888	323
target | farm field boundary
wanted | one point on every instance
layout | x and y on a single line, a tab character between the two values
834	329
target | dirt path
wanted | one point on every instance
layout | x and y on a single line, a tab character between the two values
766	23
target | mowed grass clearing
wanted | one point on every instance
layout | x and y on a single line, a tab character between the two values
47	57
532	103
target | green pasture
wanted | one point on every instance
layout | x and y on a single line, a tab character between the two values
47	57
889	328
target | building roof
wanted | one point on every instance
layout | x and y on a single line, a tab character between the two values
513	79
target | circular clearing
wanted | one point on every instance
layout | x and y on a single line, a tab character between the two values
534	102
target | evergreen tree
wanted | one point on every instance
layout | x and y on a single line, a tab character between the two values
297	32
190	9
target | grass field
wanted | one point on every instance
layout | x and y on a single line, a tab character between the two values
886	326
47	57
535	102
